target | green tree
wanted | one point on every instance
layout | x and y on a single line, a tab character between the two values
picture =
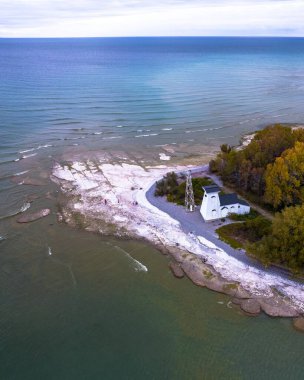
284	243
245	168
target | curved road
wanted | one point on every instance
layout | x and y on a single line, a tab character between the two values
193	222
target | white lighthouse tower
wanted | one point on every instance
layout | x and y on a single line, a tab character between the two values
216	205
211	203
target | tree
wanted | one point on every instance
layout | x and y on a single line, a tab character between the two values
285	178
245	168
284	243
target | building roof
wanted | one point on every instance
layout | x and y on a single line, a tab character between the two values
211	189
231	199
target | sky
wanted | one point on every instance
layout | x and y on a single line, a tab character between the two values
112	18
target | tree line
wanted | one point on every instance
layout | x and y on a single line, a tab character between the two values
271	167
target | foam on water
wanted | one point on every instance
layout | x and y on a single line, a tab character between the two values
28	156
22	209
138	266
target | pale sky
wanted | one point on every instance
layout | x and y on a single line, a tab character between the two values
102	18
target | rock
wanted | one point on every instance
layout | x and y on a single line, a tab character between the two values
202	275
28	181
298	324
48	195
236	301
32	182
177	254
32	197
194	273
34	216
277	307
241	293
251	306
176	270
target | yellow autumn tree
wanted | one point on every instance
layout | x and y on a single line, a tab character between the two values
284	244
285	178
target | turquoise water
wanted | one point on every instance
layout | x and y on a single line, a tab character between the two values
85	311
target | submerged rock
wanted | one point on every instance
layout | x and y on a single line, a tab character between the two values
32	182
32	197
176	270
28	181
236	301
34	216
251	306
298	324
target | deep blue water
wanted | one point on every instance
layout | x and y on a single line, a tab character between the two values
84	312
202	88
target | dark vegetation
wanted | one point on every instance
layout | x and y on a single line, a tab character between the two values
284	244
271	170
238	235
173	187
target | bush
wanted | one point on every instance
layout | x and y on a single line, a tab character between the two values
167	185
175	191
239	218
250	231
284	242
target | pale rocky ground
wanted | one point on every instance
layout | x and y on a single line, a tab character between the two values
110	199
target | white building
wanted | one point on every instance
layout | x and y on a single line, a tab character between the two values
216	206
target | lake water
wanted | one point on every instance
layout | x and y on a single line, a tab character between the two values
86	311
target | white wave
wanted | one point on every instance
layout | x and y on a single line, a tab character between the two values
17	159
29	155
20	173
112	137
44	146
2	238
119	126
26	150
97	133
25	207
138	266
147	135
167	129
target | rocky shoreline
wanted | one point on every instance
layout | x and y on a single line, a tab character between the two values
110	199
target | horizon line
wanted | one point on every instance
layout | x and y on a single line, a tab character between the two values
164	36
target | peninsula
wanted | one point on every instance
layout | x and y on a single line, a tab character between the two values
118	198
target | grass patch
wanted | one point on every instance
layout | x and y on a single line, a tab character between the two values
242	218
231	286
208	275
229	235
237	235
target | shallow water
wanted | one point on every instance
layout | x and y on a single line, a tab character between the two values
88	309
